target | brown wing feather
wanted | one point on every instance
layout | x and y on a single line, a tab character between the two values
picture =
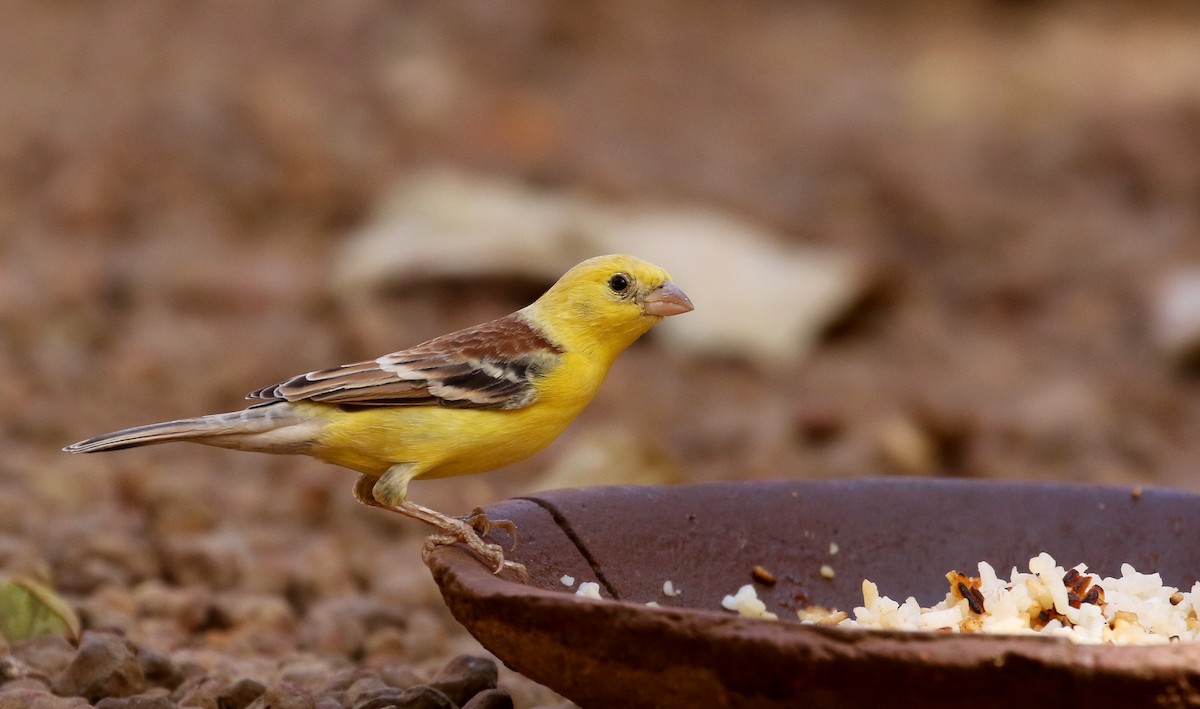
486	366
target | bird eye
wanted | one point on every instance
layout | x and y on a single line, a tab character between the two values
619	283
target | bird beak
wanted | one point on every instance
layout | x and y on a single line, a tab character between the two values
666	300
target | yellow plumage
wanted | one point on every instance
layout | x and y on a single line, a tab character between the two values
467	402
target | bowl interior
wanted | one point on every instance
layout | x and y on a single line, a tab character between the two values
903	534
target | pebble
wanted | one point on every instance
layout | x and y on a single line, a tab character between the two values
398	674
105	666
342	625
47	655
425	637
905	447
283	695
240	694
312	673
388	642
158	669
34	684
199	691
464	677
138	701
257	611
490	699
86	560
109	608
12	669
342	681
1176	316
26	698
188	606
366	687
19	556
419	697
213	560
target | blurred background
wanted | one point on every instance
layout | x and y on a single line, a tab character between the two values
922	239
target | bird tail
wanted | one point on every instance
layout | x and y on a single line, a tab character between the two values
271	428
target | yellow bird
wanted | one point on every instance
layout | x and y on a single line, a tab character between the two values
466	402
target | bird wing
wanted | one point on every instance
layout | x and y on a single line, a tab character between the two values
489	366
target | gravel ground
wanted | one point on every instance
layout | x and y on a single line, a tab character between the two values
176	180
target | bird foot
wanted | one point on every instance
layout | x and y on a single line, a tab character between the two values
482	525
490	553
469	532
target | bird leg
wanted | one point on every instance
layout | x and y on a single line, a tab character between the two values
363	491
382	492
454	531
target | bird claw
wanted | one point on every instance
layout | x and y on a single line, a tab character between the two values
482	525
490	553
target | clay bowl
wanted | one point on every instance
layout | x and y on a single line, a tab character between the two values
904	534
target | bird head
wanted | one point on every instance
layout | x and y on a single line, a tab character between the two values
617	296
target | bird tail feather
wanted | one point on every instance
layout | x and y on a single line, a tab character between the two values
259	428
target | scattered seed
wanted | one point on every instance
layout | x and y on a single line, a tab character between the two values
762	575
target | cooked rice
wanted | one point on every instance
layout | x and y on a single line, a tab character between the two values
745	602
1131	609
588	589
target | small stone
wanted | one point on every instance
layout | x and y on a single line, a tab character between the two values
110	609
490	699
464	677
763	575
87	560
365	687
47	655
425	636
199	691
341	681
398	675
259	611
29	698
35	684
105	666
158	669
137	701
213	560
419	697
382	698
19	556
905	447
816	424
336	626
311	674
240	694
1176	316
384	643
187	606
283	695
